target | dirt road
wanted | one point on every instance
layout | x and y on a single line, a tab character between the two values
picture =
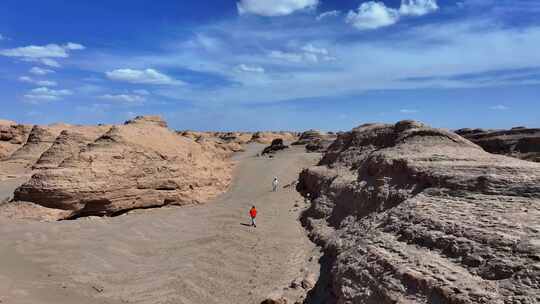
198	254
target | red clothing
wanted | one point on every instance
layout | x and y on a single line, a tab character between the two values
253	212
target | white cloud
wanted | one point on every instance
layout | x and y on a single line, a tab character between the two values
417	7
47	51
328	15
74	46
307	54
50	62
41	83
249	68
43	54
141	92
148	76
126	98
203	41
274	7
409	111
40	71
292	57
309	48
372	15
46	94
499	108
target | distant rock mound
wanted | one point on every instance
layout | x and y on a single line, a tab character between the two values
277	145
12	137
40	139
68	144
268	137
232	142
411	214
235	137
148	120
315	141
139	164
519	142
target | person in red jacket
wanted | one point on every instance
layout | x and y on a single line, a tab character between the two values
253	215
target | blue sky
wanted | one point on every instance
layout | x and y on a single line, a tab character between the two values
280	64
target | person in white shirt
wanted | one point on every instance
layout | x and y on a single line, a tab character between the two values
275	184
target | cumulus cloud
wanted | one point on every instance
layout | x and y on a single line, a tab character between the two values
372	15
40	71
250	68
46	54
417	7
46	94
125	98
147	76
41	83
46	51
328	15
274	7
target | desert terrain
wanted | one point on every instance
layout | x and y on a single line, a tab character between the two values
197	254
384	213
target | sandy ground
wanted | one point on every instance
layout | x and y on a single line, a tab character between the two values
8	186
197	254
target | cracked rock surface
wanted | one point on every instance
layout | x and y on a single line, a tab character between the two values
411	214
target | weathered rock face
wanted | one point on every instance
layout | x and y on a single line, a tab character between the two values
518	142
277	145
39	140
68	144
137	165
315	141
411	214
235	137
230	141
12	137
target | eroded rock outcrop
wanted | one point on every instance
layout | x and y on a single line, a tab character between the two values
68	144
268	137
411	214
275	146
12	137
40	139
137	165
518	142
229	141
315	141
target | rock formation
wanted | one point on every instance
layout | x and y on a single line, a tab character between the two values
277	145
68	144
230	141
12	137
518	142
40	139
137	165
268	137
315	141
411	214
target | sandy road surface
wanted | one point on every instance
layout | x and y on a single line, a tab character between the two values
197	254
